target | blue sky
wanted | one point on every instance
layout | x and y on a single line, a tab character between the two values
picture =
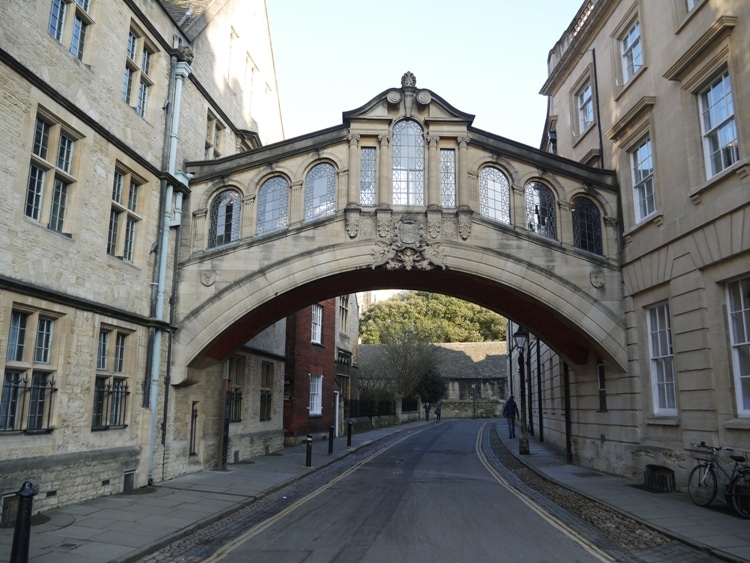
485	57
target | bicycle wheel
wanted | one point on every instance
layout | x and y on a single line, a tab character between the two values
702	484
740	491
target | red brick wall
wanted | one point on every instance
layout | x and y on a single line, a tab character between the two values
302	358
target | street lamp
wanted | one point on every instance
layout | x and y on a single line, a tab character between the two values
521	337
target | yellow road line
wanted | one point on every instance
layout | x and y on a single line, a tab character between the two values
559	525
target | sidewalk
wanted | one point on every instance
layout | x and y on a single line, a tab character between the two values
125	528
716	529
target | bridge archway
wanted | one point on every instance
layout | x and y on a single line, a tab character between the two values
432	204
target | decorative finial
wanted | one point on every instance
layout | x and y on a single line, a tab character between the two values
408	80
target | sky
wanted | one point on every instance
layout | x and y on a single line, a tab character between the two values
487	58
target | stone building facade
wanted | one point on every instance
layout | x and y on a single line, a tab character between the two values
658	91
100	105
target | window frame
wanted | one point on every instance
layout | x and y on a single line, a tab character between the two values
316	323
273	205
315	406
709	128
661	360
320	202
644	184
124	216
215	133
51	180
631	50
592	239
448	178
28	384
738	320
408	164
541	209
494	194
111	387
584	104
140	55
224	229
368	176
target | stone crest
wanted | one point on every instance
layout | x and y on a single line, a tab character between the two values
408	249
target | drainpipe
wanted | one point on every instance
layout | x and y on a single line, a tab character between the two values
170	212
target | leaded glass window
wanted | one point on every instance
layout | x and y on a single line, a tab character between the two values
225	218
587	228
448	178
408	163
540	210
320	191
367	177
273	205
494	194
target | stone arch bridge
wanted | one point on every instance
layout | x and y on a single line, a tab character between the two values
405	193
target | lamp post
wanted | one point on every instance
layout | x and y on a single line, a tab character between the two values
474	397
521	336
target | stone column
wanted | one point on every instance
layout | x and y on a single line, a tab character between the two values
200	230
296	203
433	172
354	171
385	174
518	206
463	182
248	216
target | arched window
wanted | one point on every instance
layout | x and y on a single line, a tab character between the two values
408	163
494	194
273	205
540	210
587	228
224	226
320	191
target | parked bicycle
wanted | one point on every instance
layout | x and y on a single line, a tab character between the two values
703	481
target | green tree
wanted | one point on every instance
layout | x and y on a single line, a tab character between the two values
435	317
432	387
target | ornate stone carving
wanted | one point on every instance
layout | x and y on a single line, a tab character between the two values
408	249
208	277
464	226
597	278
424	97
434	226
385	227
352	224
408	80
394	97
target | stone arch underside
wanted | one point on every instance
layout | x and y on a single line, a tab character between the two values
558	311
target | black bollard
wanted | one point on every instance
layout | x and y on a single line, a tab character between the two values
330	440
349	434
308	458
21	535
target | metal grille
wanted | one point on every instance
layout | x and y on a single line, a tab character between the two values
587	229
448	178
320	191
367	177
225	218
540	210
273	205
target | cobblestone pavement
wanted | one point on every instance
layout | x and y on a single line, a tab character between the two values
625	539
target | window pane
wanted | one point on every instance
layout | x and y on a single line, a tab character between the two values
16	337
36	400
79	37
408	163
587	230
320	191
273	204
448	178
127	251
9	406
57	207
103	349
114	220
225	218
57	18
494	194
540	210
43	340
662	369
65	153
643	181
367	177
119	352
41	138
720	133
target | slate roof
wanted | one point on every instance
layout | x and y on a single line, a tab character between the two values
458	360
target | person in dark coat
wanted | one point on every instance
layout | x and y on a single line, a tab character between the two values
427	409
510	412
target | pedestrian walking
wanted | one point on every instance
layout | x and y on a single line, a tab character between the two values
510	412
427	409
438	408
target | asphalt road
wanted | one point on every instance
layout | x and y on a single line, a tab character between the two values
429	497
